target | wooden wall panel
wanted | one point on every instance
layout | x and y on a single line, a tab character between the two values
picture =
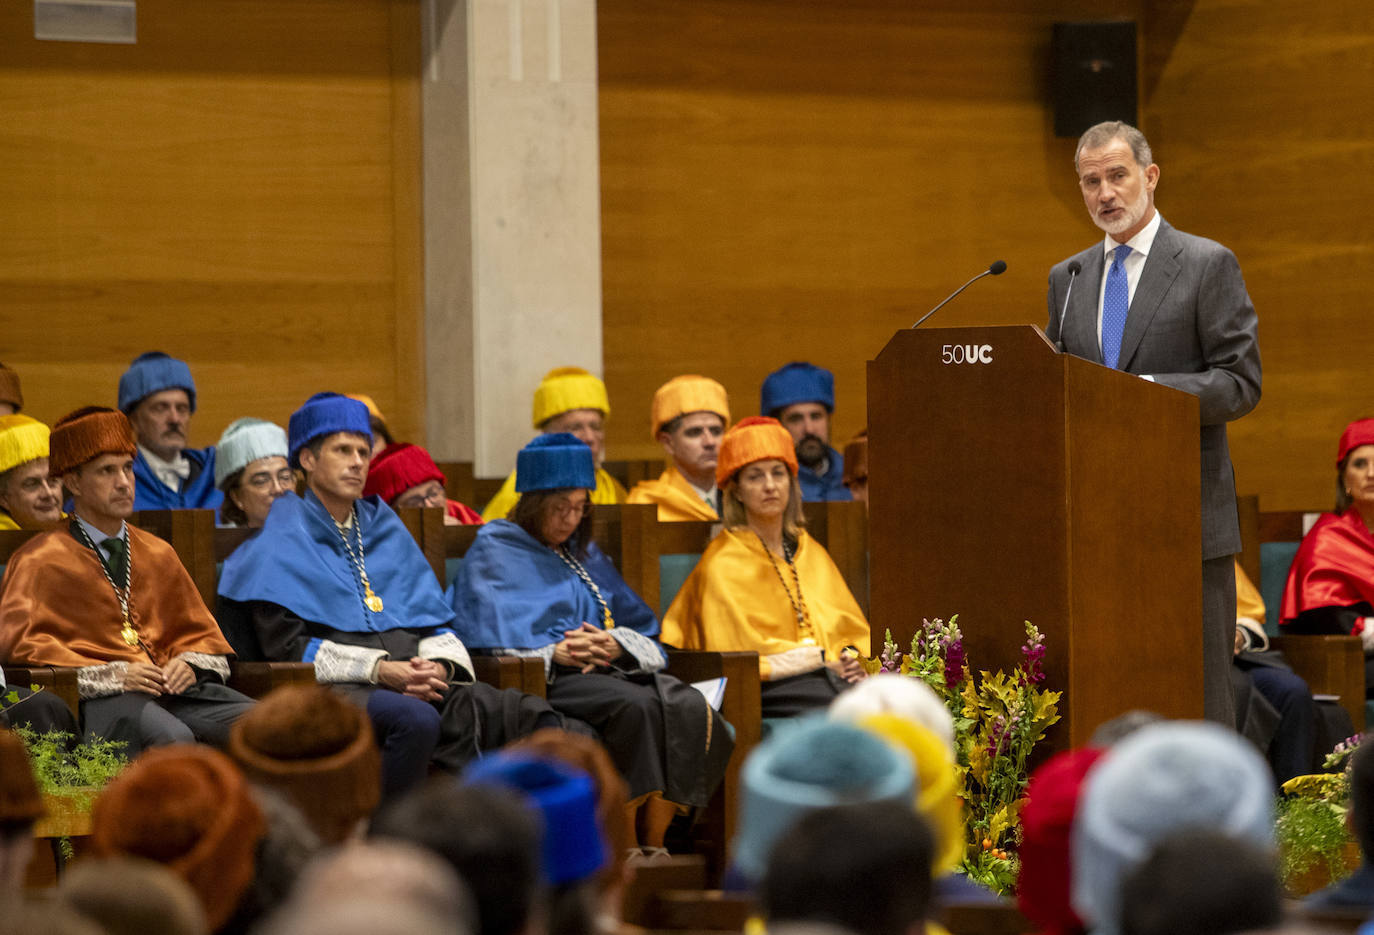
1264	129
240	188
787	179
797	179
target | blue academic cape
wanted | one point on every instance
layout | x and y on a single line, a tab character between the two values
198	493
828	486
513	592
297	561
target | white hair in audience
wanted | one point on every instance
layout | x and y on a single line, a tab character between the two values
906	698
376	888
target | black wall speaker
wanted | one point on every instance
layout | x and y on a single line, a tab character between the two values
1093	75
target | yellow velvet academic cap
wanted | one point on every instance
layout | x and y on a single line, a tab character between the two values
684	394
566	388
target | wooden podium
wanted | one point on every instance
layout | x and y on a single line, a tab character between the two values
1010	482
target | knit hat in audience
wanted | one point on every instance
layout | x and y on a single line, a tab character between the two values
399	467
85	435
1357	433
1053	794
564	389
554	461
754	438
794	383
687	394
245	441
1162	778
21	440
20	802
890	693
324	414
318	750
152	373
188	807
811	764
565	797
587	754
10	391
937	793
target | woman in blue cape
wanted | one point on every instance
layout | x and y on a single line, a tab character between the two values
536	585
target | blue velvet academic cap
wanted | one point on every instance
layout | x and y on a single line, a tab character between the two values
797	382
554	461
151	373
325	414
565	797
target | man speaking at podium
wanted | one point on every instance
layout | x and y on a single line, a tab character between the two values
1172	308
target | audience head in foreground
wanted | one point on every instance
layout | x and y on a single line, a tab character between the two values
1163	778
863	868
132	896
809	765
317	749
1202	882
489	836
20	806
1053	796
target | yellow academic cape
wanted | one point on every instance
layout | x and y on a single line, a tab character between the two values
608	490
677	500
7	521
733	601
1248	600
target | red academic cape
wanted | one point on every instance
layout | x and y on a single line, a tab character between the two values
57	608
1334	566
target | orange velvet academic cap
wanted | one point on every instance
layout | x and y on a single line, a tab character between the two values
754	438
87	434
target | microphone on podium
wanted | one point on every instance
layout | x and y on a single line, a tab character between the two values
996	269
1074	269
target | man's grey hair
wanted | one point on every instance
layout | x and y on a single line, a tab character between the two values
1101	134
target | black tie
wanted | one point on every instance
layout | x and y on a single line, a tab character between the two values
119	558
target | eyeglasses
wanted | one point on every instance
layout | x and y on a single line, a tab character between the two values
285	479
568	508
432	495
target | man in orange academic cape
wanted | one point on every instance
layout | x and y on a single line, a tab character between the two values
115	603
688	417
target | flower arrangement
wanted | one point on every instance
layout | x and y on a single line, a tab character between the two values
1314	842
998	720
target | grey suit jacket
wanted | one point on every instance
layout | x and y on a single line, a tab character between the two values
1191	326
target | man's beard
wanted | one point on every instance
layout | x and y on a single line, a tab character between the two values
1129	217
812	451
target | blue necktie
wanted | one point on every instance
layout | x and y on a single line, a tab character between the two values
1116	301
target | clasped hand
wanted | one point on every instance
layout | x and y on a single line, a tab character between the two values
588	647
172	679
425	679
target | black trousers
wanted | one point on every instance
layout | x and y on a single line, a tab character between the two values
204	712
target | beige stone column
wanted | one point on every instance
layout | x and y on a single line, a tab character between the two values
512	215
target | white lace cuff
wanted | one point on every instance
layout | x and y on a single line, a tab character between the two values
210	662
449	648
101	681
797	661
339	662
645	651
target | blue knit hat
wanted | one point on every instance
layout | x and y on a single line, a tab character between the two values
245	441
325	414
1163	778
554	461
807	765
565	797
797	383
151	373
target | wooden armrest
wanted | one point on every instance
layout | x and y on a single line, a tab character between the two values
56	679
256	679
1330	665
519	672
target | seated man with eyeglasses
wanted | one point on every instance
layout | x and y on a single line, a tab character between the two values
404	475
334	578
